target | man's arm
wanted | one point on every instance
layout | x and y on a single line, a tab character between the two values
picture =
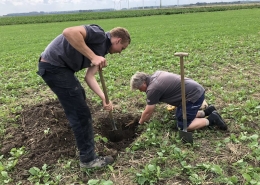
147	113
94	86
75	36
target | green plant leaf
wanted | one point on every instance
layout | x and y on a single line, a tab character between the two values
4	174
108	182
151	167
216	169
93	181
44	167
34	170
233	179
246	177
141	180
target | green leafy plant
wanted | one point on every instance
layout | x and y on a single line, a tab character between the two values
100	138
47	131
4	177
7	166
149	175
38	176
100	182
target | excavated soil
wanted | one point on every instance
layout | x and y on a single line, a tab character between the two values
45	133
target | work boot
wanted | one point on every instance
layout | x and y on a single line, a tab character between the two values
209	110
215	119
98	162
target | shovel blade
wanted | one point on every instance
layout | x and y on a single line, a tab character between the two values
186	137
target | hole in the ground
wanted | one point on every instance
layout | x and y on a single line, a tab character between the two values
44	131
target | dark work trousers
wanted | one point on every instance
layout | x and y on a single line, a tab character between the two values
191	111
71	95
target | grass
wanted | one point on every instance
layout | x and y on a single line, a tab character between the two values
224	56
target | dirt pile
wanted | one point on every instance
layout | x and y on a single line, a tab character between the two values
45	133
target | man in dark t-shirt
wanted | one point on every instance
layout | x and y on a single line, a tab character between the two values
77	48
165	87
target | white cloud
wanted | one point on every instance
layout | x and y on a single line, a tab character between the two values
2	1
20	2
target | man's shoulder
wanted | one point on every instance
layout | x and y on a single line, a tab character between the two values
95	34
94	28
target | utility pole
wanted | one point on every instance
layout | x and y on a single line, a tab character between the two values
114	5
160	3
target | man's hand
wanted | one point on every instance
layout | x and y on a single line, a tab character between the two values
107	107
99	61
134	122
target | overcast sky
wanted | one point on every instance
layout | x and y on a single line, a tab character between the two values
21	6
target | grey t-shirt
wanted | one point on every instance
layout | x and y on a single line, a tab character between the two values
166	87
60	53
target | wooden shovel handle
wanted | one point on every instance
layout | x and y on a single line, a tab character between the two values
183	94
103	85
106	96
181	54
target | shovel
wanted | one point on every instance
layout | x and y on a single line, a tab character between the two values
184	135
114	135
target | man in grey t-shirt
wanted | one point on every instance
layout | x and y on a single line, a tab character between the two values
165	87
77	48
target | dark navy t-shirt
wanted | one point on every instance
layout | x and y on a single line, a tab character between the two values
60	53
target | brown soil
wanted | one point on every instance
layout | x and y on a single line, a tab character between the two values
45	133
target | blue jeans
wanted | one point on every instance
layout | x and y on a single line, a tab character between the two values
191	111
71	95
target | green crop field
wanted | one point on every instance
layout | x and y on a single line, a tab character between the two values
224	57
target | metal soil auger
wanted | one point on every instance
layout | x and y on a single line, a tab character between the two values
114	135
184	135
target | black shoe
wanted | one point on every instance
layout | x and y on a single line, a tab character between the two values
98	162
215	119
209	110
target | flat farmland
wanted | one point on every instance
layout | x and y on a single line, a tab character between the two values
224	57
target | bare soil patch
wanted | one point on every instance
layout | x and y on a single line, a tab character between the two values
45	133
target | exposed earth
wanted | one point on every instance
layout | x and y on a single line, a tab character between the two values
45	133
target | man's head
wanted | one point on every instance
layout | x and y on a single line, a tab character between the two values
138	81
120	39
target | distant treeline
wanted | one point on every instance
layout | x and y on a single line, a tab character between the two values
47	18
56	12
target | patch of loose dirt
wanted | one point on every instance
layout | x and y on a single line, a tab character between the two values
45	132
